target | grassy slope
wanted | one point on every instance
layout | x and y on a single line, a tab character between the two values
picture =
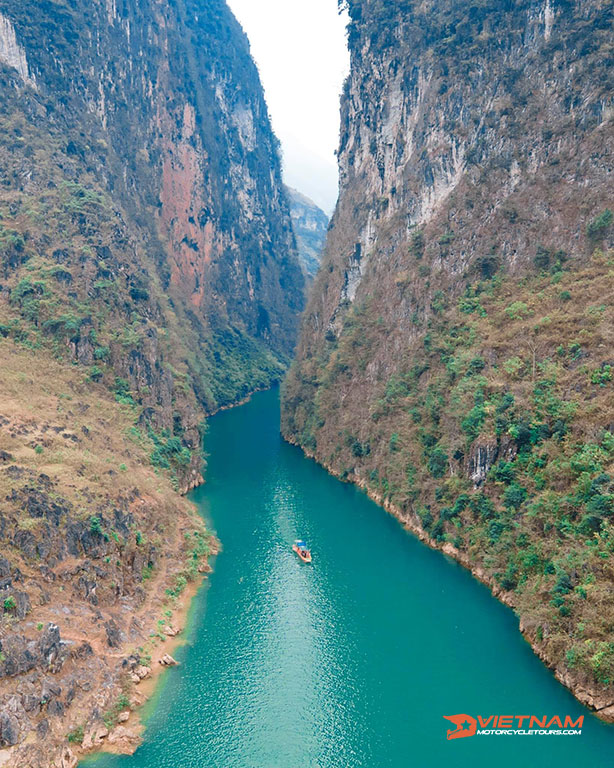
73	460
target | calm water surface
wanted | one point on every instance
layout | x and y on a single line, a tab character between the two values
351	662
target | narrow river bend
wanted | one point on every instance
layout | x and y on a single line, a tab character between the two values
350	662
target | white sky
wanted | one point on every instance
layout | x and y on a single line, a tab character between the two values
300	49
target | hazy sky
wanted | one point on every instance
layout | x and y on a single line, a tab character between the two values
301	52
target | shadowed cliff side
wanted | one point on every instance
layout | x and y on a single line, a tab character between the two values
148	277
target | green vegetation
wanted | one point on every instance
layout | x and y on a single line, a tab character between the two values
77	735
180	584
96	526
597	226
198	547
168	451
417	244
110	716
10	604
147	572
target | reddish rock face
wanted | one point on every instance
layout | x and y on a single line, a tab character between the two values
182	200
222	213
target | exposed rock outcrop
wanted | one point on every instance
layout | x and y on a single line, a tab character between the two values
11	53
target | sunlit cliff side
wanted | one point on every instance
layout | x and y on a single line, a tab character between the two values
455	356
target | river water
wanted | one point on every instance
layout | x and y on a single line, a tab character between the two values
350	662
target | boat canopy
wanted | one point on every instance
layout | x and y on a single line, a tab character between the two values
300	543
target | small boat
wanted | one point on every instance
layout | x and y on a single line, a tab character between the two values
301	550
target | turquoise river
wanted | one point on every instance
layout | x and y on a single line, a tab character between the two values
350	662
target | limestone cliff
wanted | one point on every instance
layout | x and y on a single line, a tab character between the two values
148	276
454	357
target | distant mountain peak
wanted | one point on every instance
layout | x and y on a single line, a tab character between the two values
310	227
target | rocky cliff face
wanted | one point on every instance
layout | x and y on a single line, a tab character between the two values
454	357
310	226
148	276
157	115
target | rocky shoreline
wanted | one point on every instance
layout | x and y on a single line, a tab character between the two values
124	735
127	734
75	687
